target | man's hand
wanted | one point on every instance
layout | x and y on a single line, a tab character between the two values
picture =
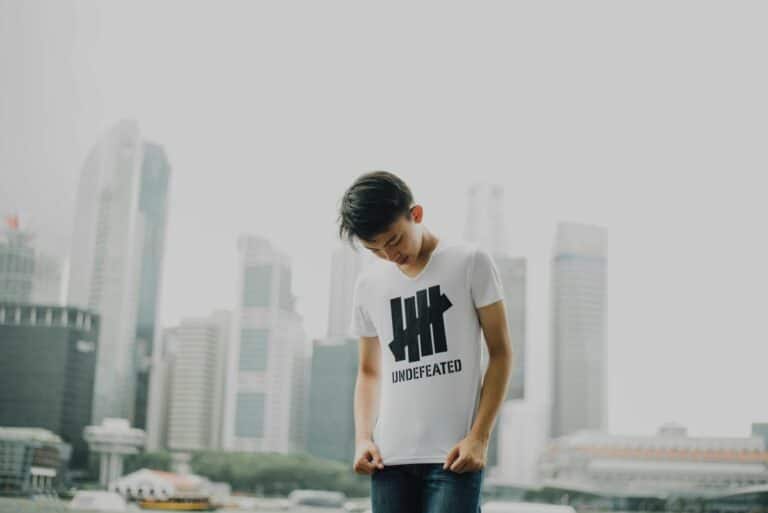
367	457
467	456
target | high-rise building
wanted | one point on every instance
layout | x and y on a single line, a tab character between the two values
47	370
195	395
160	379
27	275
153	206
346	264
115	261
486	227
17	263
268	367
485	224
578	325
331	413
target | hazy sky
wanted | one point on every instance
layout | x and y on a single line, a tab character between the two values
647	118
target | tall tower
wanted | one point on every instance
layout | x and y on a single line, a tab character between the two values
269	362
346	264
485	217
153	206
485	226
578	319
108	261
195	390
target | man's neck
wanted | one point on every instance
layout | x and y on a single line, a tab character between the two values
429	242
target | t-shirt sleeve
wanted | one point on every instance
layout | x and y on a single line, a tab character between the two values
485	281
361	325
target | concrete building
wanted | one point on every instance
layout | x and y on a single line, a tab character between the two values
268	365
17	263
578	328
670	461
48	369
196	384
486	226
346	264
115	260
331	413
32	461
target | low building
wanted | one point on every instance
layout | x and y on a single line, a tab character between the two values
670	461
32	460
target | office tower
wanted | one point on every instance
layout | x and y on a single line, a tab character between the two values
268	370
331	413
115	260
486	227
153	203
17	263
27	275
578	324
47	282
47	370
195	394
346	264
160	379
485	224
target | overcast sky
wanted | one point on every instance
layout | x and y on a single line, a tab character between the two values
646	118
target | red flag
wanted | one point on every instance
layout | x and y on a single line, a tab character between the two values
13	222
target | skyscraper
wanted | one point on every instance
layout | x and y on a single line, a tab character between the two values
17	263
47	370
195	394
485	226
346	264
578	323
331	413
153	203
115	255
268	364
27	275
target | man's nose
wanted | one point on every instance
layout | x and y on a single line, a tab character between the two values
391	253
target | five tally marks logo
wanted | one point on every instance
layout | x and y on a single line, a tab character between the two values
416	327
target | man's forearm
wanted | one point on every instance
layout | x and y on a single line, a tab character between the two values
366	405
493	393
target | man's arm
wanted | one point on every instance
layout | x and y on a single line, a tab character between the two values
493	319
470	453
367	457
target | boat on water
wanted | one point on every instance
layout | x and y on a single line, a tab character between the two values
178	504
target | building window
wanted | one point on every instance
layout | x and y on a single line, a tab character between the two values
257	285
249	420
254	345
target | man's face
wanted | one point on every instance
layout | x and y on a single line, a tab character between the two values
398	244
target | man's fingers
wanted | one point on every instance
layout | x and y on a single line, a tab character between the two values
459	464
452	455
377	461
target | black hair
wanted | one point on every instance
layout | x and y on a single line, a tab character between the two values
371	204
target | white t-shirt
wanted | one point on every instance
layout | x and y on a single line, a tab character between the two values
430	385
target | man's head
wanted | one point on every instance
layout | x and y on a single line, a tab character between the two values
378	209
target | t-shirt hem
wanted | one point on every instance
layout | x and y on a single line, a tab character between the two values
422	459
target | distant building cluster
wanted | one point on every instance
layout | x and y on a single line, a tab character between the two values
87	361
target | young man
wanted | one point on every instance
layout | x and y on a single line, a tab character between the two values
423	412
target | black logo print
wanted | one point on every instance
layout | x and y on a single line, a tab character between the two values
416	327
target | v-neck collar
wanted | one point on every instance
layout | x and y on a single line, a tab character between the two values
426	265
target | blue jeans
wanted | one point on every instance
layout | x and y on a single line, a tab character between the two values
425	488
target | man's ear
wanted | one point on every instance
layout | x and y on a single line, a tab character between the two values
416	213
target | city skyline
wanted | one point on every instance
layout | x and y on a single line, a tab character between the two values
672	176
